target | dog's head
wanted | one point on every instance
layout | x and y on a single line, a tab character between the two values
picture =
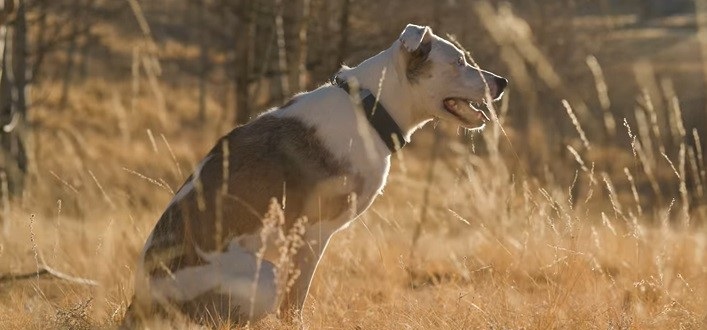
445	85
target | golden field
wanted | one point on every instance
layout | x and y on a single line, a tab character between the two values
497	230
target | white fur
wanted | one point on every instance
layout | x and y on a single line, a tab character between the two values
412	36
230	273
189	186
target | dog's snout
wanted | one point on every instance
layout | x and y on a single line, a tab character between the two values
501	84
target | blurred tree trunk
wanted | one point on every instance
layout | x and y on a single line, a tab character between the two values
13	106
437	17
245	42
281	49
203	59
85	55
320	47
302	44
76	26
605	7
41	34
344	31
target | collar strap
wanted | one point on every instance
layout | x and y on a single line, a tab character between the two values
377	115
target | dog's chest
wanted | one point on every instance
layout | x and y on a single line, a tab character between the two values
374	175
347	136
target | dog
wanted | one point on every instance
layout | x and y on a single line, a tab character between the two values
241	239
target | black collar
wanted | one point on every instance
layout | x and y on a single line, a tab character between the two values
378	116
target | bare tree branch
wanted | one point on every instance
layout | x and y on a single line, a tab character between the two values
45	270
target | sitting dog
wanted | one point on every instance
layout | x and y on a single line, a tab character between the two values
242	237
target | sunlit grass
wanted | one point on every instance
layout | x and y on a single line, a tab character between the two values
621	244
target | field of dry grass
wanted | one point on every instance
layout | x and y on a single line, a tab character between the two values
499	248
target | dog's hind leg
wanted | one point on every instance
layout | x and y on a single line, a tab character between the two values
232	285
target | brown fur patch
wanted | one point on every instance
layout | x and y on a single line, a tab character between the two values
267	158
418	63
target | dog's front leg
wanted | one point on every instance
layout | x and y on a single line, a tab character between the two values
316	239
305	263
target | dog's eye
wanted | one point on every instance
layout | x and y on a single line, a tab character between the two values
461	61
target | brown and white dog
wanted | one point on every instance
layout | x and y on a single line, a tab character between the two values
313	166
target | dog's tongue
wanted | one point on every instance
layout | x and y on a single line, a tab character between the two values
459	105
466	111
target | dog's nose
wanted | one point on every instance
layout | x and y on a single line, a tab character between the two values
501	84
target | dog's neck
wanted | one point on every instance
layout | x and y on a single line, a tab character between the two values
390	88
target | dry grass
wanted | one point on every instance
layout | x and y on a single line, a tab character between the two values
497	253
500	248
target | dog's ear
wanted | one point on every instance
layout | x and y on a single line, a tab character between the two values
414	36
416	44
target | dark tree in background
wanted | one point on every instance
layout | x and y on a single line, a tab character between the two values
13	103
27	37
266	46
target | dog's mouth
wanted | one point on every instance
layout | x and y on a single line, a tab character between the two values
466	111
